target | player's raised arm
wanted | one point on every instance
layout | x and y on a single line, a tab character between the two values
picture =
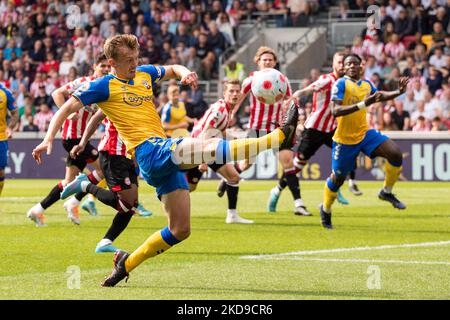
91	127
389	95
70	106
60	95
179	72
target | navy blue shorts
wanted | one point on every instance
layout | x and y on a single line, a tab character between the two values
154	157
3	154
344	155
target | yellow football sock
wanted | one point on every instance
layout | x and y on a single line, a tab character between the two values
328	198
2	183
241	149
392	174
102	184
154	245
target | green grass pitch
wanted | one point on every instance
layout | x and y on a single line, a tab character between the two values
36	263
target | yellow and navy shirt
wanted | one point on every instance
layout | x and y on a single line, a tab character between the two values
6	103
174	114
127	103
351	128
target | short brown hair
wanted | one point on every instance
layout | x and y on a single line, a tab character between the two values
264	50
230	82
99	57
113	44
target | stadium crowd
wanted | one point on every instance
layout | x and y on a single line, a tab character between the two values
413	41
44	44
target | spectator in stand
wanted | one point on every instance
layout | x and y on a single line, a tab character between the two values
438	58
300	11
357	47
392	81
395	48
437	125
400	117
394	9
28	40
434	80
403	24
43	117
43	97
409	103
215	9
421	125
234	70
419	90
432	105
371	67
438	34
420	112
105	30
388	124
193	62
23	120
207	56
181	36
377	81
373	47
236	12
95	41
226	27
30	125
66	64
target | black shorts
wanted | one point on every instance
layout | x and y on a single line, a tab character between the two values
194	175
120	172
260	133
311	140
90	154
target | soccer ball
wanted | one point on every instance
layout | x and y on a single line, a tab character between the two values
269	85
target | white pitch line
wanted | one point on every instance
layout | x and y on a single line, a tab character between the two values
363	261
9	199
383	247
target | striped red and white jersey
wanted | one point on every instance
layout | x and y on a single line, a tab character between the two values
263	116
321	117
74	128
218	116
111	141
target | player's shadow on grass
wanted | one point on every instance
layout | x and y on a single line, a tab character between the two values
353	294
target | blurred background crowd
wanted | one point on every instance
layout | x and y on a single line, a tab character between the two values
44	44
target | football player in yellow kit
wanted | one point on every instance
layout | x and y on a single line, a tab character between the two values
350	97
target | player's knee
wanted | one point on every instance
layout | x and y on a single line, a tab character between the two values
396	157
338	180
233	179
181	232
192	187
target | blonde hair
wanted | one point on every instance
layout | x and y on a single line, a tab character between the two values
114	44
264	50
230	82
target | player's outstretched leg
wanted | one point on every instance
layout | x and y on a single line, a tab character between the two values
352	186
389	150
330	193
36	213
177	206
393	171
275	194
341	199
221	188
119	223
142	211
